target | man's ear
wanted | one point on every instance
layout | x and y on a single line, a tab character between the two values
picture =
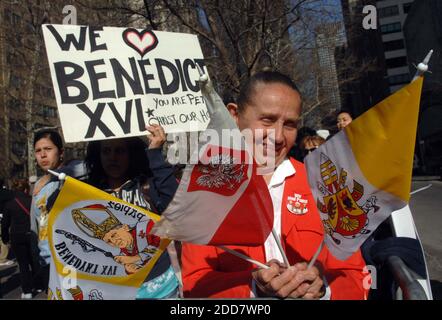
233	110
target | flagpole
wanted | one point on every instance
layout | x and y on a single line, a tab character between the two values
242	256
203	76
315	256
423	66
60	176
278	242
420	70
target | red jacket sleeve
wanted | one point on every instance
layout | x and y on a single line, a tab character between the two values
202	277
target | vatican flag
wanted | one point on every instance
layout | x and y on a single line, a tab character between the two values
363	174
102	247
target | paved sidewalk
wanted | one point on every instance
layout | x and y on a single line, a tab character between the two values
10	284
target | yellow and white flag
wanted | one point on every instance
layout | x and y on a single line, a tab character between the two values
363	174
101	246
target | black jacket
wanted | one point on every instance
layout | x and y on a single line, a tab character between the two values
15	219
5	195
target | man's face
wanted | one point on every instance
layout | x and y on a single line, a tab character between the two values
275	107
344	119
119	237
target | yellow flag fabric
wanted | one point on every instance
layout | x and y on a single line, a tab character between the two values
383	140
101	246
363	174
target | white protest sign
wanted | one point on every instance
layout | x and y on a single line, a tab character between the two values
112	82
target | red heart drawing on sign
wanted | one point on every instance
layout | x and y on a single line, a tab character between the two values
142	42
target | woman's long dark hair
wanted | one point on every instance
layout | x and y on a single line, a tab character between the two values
138	162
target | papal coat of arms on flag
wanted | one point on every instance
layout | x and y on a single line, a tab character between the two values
345	216
373	156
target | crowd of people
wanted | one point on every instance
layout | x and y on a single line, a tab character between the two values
137	172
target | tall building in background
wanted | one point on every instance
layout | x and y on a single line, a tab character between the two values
329	37
392	15
423	32
363	75
406	31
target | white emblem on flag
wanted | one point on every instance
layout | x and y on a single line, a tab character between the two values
222	171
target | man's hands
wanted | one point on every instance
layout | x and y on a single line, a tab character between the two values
294	282
156	137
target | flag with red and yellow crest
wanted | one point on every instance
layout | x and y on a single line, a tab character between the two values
363	174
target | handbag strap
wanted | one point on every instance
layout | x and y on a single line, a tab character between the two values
22	206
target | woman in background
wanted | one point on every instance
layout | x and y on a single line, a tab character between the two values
343	119
48	149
